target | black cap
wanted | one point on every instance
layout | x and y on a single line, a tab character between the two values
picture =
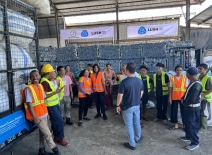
142	66
160	65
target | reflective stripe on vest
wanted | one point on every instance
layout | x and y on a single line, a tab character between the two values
37	101
86	86
165	88
61	94
204	81
147	80
53	100
178	87
97	82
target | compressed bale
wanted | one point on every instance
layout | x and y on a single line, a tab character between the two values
151	63
87	52
137	62
4	104
47	53
154	50
132	51
3	78
66	53
19	24
3	63
20	58
109	52
83	64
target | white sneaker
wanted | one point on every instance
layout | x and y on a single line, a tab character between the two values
192	147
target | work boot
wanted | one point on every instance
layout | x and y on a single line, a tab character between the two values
63	142
69	122
204	124
104	116
56	151
42	151
97	116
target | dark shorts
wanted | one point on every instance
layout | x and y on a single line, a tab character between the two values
145	99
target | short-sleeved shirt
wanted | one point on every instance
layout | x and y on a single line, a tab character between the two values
208	84
67	82
131	88
46	86
144	79
124	76
159	90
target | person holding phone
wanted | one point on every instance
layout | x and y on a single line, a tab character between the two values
52	103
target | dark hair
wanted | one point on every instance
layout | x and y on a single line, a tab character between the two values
33	71
143	67
97	66
160	65
108	64
82	72
203	65
178	66
67	66
59	67
90	65
131	67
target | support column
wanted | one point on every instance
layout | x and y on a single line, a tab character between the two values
117	22
187	20
57	28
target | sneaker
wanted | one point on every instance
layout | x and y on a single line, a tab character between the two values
192	147
156	120
63	142
69	122
185	139
86	118
56	151
139	141
42	151
97	116
165	122
127	145
104	116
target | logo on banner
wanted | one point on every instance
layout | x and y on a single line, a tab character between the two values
73	33
142	30
84	33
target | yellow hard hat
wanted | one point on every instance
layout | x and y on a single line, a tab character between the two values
47	68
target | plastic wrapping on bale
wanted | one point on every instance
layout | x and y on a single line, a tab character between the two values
4	104
132	51
20	58
109	52
19	24
87	52
3	78
154	50
66	53
47	53
3	63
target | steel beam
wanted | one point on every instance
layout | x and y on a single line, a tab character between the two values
187	20
57	28
117	22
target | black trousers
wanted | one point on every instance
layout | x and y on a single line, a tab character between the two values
192	124
162	103
90	101
99	99
83	107
174	111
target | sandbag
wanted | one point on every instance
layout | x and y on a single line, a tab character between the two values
19	24
4	104
42	6
20	58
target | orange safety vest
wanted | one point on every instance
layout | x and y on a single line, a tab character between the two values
38	104
178	87
97	82
86	87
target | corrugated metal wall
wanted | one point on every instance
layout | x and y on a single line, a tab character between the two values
122	30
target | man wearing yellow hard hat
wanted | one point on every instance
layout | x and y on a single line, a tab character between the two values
52	103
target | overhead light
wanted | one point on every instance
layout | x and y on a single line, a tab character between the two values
172	18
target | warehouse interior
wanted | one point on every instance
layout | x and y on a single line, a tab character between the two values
40	42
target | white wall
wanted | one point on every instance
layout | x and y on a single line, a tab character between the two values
51	42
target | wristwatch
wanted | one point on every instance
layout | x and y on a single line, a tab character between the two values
118	106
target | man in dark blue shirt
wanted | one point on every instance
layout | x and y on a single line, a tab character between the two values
130	93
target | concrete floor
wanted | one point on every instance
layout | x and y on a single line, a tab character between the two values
99	137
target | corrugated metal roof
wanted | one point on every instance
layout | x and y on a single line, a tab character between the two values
83	7
204	17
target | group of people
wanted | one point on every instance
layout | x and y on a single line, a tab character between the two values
191	92
52	95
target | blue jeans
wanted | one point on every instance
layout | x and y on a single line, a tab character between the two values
131	118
